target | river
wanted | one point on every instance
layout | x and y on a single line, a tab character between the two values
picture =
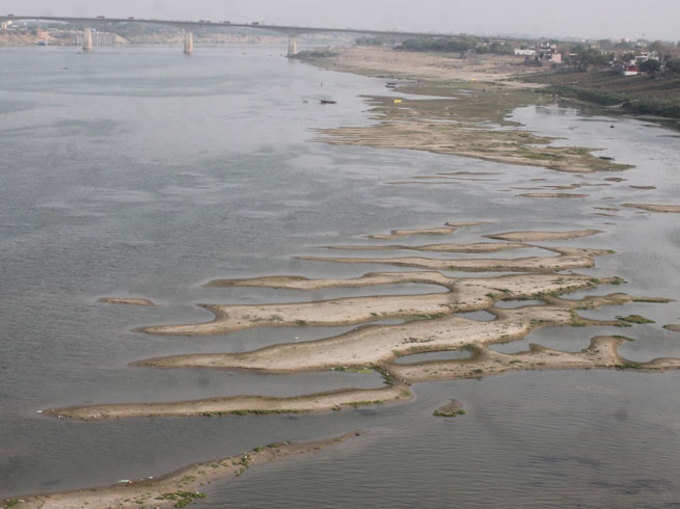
141	172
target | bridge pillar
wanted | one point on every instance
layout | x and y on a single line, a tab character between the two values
87	39
292	46
188	43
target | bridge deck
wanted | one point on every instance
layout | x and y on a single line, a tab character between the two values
189	24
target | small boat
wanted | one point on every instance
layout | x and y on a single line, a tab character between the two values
328	101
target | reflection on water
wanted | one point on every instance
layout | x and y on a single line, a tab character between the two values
139	172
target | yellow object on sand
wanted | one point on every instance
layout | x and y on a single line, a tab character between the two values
398	101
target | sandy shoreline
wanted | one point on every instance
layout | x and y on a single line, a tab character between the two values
181	486
458	97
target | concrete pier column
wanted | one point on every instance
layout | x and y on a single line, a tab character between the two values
188	43
292	46
87	39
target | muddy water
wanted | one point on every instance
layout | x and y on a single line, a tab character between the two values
139	172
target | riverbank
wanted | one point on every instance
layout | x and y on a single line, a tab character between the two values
454	105
638	95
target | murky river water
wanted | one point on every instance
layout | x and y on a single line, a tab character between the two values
139	172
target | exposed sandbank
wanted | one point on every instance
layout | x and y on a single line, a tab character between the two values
510	147
368	279
602	353
345	311
178	487
127	301
673	327
569	258
478	247
454	116
553	195
321	402
379	344
673	209
531	236
466	224
469	173
373	61
465	295
396	234
451	409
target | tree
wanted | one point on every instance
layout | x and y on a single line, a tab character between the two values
650	66
587	57
673	66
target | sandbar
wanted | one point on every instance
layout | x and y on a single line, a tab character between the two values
368	279
127	301
530	236
345	311
478	247
553	195
569	258
396	234
672	209
179	487
466	224
451	409
321	402
464	295
379	344
602	353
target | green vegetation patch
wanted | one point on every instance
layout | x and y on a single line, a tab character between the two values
634	319
642	95
182	498
452	409
319	53
425	316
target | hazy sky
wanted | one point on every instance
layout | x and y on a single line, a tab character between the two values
584	18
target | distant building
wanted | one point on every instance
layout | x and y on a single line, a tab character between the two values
544	53
556	58
645	56
631	70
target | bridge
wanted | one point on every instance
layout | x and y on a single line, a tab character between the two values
187	26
